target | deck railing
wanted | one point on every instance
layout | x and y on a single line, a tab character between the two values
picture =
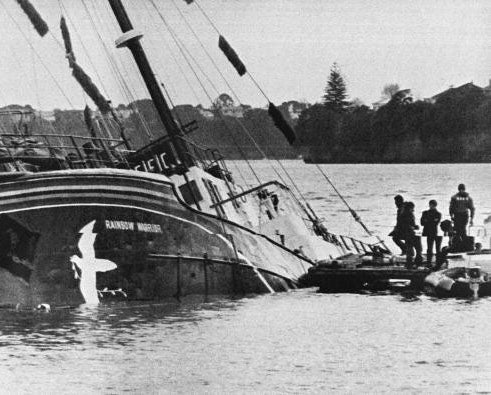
59	151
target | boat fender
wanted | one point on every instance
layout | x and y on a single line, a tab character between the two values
446	283
433	279
44	307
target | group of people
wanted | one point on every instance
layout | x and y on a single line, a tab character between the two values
404	233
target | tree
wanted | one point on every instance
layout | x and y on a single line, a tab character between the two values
335	91
390	90
222	103
223	100
401	97
355	103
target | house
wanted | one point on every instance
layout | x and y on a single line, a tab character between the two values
380	103
461	90
226	105
487	89
294	108
204	112
46	115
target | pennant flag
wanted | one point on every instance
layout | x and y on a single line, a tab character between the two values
36	20
89	87
231	56
281	123
66	38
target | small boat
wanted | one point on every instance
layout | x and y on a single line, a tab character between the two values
465	274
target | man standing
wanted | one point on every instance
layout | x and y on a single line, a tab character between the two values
396	232
460	206
430	220
413	242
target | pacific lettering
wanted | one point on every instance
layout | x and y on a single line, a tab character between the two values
157	162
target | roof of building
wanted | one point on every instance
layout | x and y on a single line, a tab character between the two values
458	90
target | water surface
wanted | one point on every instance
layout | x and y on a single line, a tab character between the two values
292	342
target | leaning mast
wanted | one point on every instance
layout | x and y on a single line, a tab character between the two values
131	40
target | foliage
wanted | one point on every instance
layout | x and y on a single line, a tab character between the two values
457	128
224	133
390	90
335	92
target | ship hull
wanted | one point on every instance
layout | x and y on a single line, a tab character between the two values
73	237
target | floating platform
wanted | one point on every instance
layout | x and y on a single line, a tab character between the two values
353	274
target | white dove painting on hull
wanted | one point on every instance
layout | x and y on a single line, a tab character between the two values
88	264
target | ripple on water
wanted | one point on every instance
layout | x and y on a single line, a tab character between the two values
292	342
288	343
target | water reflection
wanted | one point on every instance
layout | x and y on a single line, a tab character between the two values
104	324
286	342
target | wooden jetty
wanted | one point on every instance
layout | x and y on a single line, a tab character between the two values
353	274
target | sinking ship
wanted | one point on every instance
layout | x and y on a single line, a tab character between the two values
85	219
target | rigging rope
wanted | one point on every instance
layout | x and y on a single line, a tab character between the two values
243	127
37	21
123	86
84	48
46	68
176	62
205	50
234	59
220	34
186	54
272	110
183	50
352	212
121	80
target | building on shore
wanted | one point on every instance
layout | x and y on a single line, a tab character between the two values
461	90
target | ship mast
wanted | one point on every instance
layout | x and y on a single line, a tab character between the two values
131	39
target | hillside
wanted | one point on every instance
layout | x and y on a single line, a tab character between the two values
454	127
228	129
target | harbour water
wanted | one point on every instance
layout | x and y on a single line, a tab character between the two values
292	342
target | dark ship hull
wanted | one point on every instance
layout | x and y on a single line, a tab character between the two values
131	233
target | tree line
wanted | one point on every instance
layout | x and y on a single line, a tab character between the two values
250	136
456	127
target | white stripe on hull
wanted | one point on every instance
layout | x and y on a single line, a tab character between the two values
82	195
86	187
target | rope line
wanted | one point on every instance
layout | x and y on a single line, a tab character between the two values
219	33
183	50
46	68
241	124
123	85
352	212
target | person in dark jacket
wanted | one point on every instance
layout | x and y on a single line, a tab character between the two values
396	232
407	228
461	205
430	220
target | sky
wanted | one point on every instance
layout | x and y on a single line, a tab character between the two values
288	47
